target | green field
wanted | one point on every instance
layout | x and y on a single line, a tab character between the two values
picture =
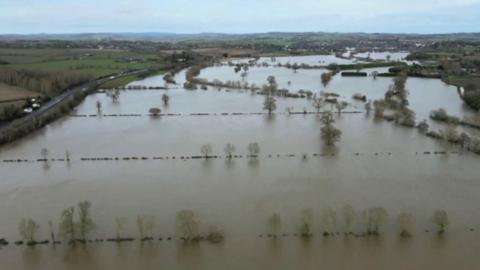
119	82
93	62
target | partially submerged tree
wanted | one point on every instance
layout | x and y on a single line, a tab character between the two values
349	217
270	104
119	226
165	99
253	150
306	223
145	225
206	150
99	107
423	126
67	225
379	107
188	227
330	134
329	221
326	77
114	95
44	153
317	103
85	223
341	106
271	87
52	232
464	140
275	224
405	225
440	219
405	117
215	235
155	112
27	229
229	150
377	216
368	107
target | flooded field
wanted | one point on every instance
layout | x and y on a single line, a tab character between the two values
376	164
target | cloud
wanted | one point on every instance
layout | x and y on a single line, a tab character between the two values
29	16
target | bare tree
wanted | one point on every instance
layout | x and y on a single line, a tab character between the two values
377	216
405	224
119	224
306	223
85	223
145	225
368	107
317	103
188	227
229	150
349	216
253	149
206	150
341	106
27	229
99	107
67	225
275	224
329	221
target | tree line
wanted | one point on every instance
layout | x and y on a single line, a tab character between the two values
47	83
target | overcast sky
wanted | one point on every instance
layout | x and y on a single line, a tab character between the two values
239	16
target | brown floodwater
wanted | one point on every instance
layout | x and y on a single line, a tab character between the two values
375	164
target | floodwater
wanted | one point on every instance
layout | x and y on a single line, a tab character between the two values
375	164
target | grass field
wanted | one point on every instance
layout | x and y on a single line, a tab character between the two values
94	62
119	82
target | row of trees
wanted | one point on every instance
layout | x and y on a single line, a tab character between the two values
188	226
47	83
76	228
253	150
370	222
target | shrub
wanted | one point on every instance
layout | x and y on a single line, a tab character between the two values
155	112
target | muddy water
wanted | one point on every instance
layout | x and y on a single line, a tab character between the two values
390	170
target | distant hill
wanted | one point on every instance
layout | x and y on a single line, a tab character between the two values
173	37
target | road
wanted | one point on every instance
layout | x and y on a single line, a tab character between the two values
65	95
